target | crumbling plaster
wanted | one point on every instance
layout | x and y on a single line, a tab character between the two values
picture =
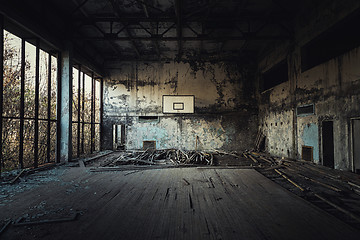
332	86
225	105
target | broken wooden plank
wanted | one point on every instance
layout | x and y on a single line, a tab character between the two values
273	167
186	181
350	214
289	180
252	158
81	163
353	184
136	171
17	177
266	160
46	221
5	226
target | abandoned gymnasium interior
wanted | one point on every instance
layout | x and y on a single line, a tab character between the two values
179	119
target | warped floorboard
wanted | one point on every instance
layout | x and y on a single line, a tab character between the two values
181	203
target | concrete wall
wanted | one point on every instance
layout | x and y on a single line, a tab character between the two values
334	88
225	105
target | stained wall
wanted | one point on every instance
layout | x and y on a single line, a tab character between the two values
333	87
225	113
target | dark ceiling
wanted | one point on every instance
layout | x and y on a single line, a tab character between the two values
104	31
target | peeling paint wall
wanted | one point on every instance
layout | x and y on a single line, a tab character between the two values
333	87
225	105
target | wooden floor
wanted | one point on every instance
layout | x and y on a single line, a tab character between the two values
181	203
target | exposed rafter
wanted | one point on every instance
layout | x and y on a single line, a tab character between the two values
179	23
245	36
79	7
156	43
133	19
117	13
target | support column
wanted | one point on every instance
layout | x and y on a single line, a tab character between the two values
101	114
66	105
1	85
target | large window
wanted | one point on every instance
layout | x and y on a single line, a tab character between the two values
276	75
86	113
29	97
337	40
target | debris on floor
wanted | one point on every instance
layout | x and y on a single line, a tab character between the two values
23	181
335	191
162	157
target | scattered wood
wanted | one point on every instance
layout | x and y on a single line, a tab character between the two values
321	183
5	226
211	182
186	181
289	180
266	160
252	158
234	154
60	220
132	172
353	185
350	214
81	164
273	167
168	156
17	177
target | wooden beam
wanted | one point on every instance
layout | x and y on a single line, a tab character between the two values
117	13
156	43
244	37
79	6
178	14
1	85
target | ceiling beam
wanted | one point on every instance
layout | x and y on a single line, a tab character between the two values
179	24
199	38
79	6
112	45
135	19
156	43
117	13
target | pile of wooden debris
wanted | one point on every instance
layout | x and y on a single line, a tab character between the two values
168	156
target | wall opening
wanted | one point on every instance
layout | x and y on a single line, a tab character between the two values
275	76
337	40
328	143
149	145
118	137
148	119
307	153
305	110
356	144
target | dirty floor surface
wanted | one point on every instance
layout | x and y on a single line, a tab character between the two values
177	203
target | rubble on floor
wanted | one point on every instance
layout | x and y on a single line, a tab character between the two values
26	181
161	157
335	191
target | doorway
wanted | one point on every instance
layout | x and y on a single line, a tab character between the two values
118	137
356	144
328	143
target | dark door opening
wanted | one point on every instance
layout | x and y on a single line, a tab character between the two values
356	144
328	143
118	137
